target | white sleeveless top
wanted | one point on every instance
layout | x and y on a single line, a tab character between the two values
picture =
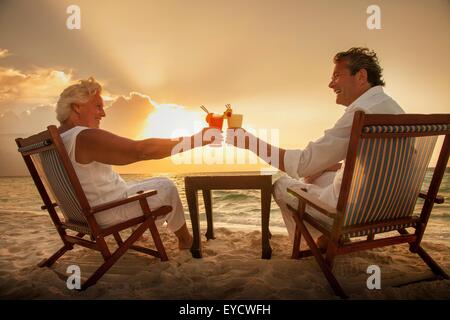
99	182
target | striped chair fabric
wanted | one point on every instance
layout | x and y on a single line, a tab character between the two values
406	128
37	145
388	176
59	184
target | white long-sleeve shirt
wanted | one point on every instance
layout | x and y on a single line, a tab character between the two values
332	147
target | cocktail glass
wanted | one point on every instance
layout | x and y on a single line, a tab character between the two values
235	121
215	121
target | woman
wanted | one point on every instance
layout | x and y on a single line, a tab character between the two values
93	152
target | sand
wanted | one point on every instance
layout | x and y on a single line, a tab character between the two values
231	268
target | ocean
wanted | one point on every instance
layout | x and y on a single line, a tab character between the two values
235	209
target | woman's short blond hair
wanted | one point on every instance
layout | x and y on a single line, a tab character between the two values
80	92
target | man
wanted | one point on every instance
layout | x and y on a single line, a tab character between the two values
357	82
92	151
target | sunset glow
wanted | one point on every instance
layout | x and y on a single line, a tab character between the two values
169	121
158	61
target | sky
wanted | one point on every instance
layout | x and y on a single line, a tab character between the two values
158	61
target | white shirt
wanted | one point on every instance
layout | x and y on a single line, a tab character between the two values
99	182
332	147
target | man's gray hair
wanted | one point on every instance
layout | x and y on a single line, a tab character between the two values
81	92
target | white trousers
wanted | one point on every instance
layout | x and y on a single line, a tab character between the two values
167	196
282	197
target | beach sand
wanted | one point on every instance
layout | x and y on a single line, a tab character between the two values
231	268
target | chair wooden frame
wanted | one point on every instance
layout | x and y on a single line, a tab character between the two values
50	139
336	245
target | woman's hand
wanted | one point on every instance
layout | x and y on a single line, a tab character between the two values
207	136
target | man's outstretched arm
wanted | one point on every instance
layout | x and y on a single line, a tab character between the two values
269	153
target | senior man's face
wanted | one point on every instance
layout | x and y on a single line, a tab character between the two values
92	112
344	84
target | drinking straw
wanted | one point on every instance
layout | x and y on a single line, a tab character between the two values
204	109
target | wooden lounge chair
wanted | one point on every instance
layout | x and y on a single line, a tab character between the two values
54	176
386	162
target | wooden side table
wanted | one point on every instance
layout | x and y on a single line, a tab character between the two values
227	181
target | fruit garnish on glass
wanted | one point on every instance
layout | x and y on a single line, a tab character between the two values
214	121
228	112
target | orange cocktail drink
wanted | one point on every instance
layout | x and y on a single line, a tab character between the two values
215	120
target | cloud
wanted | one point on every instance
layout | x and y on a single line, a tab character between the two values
27	100
4	53
128	115
21	91
28	122
27	106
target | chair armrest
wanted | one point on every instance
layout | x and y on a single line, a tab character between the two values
314	202
439	199
116	203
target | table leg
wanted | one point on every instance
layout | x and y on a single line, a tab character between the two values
266	198
192	200
208	208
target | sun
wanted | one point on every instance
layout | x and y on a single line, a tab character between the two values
170	121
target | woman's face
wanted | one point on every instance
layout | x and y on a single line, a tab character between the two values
91	112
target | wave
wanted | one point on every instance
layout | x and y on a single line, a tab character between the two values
235	196
13	211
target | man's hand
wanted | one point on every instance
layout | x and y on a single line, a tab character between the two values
311	178
238	138
243	139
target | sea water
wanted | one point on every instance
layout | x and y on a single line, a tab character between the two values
232	209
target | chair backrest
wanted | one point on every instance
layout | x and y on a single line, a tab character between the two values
386	164
54	176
